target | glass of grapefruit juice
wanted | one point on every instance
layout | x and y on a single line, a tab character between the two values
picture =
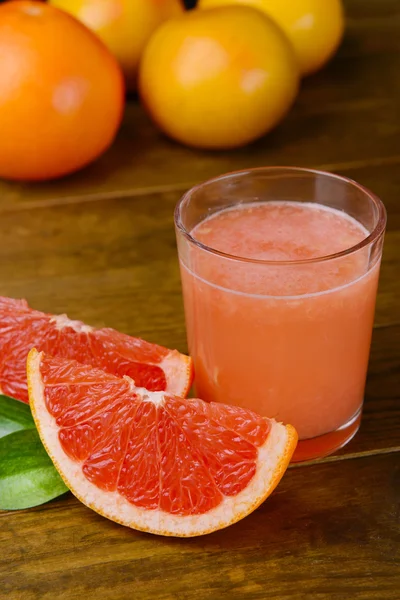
279	270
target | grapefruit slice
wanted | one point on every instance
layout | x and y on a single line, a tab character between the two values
22	328
150	460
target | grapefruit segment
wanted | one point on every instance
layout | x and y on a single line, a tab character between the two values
22	328
151	460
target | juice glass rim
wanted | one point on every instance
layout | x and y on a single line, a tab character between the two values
370	239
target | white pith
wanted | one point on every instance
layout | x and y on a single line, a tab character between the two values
62	321
157	398
275	453
177	370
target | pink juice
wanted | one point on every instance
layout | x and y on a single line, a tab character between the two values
289	340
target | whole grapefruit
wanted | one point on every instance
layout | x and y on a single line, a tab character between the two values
218	78
61	93
314	27
124	25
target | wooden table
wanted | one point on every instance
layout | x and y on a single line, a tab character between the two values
100	245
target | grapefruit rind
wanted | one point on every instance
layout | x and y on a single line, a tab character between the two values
273	459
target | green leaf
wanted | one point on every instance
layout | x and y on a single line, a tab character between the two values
27	475
14	415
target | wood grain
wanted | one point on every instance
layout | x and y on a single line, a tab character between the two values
80	257
380	425
100	245
348	114
327	533
114	263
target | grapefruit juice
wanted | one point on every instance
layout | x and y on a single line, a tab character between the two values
285	330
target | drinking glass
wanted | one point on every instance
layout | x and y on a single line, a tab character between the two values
289	339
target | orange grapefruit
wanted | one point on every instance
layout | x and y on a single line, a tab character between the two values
314	27
61	93
151	366
150	460
124	25
218	78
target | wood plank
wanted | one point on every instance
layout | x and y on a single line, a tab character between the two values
115	264
387	11
371	28
142	158
79	257
346	114
100	246
380	425
384	181
329	532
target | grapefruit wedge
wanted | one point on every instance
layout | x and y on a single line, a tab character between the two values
150	460
22	328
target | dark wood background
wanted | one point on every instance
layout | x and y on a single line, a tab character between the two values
100	245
